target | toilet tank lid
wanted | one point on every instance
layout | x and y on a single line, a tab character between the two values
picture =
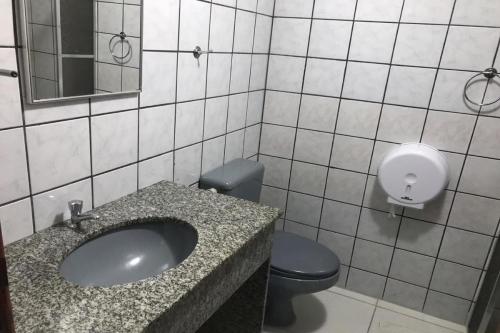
232	174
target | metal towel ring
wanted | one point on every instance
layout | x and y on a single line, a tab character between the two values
489	73
123	40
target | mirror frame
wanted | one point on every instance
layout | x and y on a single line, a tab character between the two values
24	65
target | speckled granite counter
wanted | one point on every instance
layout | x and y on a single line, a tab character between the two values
234	240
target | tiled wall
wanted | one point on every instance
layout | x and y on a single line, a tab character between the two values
189	118
349	79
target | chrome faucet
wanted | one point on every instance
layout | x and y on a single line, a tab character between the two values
75	208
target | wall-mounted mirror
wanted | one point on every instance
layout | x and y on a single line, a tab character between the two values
80	48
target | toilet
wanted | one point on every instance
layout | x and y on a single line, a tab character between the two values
298	265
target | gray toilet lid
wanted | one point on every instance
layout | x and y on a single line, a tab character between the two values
296	256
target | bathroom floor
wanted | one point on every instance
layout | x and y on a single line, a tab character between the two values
342	311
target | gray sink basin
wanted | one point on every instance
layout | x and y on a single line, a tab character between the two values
130	253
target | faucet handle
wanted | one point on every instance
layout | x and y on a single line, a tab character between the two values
75	207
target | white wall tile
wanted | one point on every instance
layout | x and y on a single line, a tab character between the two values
373	41
213	153
262	34
410	86
38	113
324	77
479	12
255	107
281	108
194	22
293	8
240	73
481	176
365	81
189	123
486	138
258	73
14	176
277	140
10	109
265	7
51	207
191	77
427	11
219	72
114	140
58	153
334	9
221	29
115	184
252	140
156	169
243	31
16	221
234	146
156	130
290	36
161	20
330	39
312	146
285	73
237	111
448	131
318	113
358	118
351	153
250	5
187	165
419	45
105	104
470	48
401	124
158	78
215	116
381	10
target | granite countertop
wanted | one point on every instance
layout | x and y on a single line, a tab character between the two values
44	302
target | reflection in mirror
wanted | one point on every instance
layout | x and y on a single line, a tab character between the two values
82	47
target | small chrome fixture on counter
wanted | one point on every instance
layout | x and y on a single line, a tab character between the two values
8	72
488	73
75	208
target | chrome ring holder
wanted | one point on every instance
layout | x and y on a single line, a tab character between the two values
112	46
490	74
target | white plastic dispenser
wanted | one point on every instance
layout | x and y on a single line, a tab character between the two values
413	174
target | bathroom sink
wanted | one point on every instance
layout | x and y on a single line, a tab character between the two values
130	253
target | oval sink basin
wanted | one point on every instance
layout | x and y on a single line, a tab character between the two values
130	253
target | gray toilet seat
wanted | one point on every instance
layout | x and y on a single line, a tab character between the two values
294	256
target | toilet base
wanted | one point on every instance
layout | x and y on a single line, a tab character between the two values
279	308
280	292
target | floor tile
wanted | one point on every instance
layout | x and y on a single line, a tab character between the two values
386	321
421	316
327	312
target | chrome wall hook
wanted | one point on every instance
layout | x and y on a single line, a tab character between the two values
197	52
8	72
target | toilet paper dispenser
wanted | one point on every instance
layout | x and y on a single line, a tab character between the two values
413	174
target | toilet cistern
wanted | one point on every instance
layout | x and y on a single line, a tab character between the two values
413	174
